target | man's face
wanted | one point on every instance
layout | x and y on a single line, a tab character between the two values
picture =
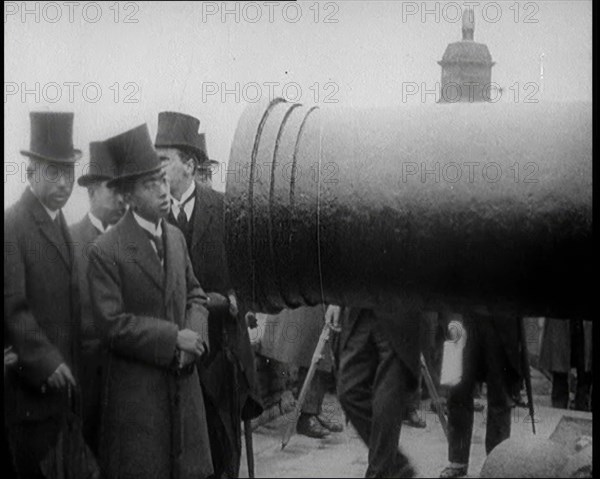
179	174
106	203
150	196
52	183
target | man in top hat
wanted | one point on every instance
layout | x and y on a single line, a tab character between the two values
150	312
41	296
106	208
228	379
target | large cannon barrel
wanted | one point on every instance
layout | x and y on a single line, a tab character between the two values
451	206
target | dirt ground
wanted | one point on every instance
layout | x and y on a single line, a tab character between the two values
345	455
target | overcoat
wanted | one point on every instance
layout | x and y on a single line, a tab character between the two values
153	417
84	233
41	309
292	336
210	263
555	351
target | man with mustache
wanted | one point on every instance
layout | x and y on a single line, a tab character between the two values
228	376
41	296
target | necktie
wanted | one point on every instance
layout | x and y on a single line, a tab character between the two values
157	240
182	220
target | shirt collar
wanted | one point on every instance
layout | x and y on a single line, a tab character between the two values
186	194
97	223
156	230
52	213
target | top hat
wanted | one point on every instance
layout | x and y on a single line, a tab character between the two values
52	137
177	130
101	167
133	154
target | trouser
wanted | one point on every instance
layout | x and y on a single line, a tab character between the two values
373	388
91	390
485	358
224	421
29	444
313	402
560	390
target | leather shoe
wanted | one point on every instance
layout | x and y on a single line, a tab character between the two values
454	471
332	426
413	420
308	425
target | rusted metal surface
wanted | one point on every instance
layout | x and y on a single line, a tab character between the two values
448	206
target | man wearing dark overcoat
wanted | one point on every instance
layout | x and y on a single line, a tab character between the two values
492	354
378	372
228	375
150	312
106	208
41	296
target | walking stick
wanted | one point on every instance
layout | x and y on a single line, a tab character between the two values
527	372
434	395
317	355
249	447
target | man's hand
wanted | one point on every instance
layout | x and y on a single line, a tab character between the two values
183	359
61	378
332	317
251	320
233	307
10	357
190	342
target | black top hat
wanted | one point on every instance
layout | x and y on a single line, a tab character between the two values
52	137
177	130
102	165
133	154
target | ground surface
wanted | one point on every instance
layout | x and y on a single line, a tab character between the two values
344	454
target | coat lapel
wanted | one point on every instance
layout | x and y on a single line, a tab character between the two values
172	256
137	243
204	211
48	228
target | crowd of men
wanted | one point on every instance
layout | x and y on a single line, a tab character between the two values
109	319
129	321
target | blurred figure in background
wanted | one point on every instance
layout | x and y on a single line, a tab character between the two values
566	344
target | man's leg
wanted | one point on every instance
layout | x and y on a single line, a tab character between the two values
393	387
29	444
582	394
460	406
560	390
308	423
358	364
502	380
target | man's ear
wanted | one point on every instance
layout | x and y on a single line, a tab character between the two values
191	165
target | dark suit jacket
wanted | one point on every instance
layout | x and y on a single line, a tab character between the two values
84	233
41	308
209	260
402	328
153	420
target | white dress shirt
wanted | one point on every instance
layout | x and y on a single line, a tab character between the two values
188	207
154	229
97	223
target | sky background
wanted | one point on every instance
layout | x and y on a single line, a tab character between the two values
174	54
